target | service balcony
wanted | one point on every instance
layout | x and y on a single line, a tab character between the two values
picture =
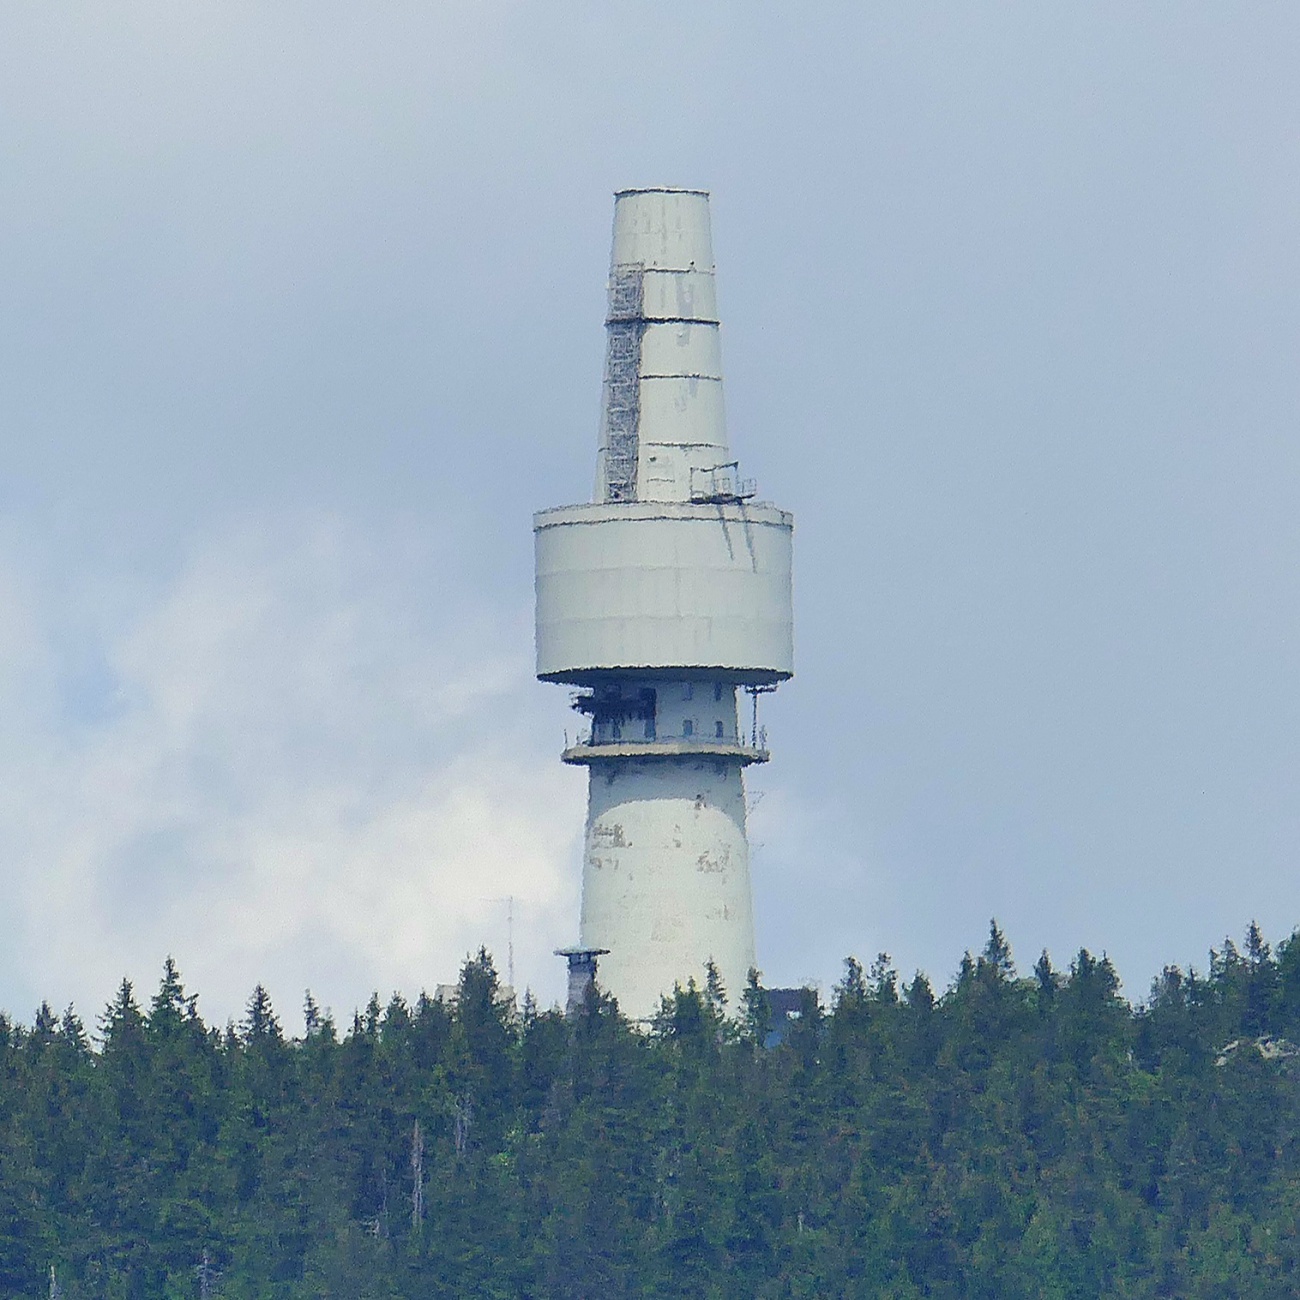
585	751
721	485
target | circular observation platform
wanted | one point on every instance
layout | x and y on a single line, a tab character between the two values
586	754
664	589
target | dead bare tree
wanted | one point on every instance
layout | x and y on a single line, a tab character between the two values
417	1178
464	1117
208	1277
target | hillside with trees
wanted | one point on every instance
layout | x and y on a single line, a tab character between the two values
1010	1136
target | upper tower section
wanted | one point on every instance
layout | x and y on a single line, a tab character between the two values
663	433
672	572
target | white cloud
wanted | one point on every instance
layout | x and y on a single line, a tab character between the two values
303	764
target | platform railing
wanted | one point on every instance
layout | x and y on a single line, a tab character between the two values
587	739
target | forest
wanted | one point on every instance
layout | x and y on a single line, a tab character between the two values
1012	1135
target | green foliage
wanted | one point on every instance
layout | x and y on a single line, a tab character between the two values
1013	1137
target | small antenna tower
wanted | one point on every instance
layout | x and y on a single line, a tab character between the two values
509	901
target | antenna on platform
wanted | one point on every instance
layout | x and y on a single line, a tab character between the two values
509	901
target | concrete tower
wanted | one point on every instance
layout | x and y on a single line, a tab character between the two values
659	601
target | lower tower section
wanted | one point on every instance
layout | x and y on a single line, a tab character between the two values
665	873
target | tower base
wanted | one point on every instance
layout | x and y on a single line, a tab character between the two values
665	882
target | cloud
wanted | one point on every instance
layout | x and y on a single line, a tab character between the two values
299	760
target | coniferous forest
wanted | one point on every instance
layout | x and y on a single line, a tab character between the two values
1011	1136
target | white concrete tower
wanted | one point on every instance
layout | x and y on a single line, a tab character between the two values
659	600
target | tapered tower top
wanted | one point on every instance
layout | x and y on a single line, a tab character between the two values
662	230
663	434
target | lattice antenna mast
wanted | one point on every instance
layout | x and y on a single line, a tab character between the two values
624	327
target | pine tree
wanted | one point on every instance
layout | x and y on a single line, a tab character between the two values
260	1021
757	1016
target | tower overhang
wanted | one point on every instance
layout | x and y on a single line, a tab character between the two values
664	588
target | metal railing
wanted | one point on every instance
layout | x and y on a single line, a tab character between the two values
585	739
721	484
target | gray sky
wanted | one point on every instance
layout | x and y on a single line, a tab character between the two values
300	319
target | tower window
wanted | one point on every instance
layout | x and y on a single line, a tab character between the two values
718	730
688	690
717	690
688	727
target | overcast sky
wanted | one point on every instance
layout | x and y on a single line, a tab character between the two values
301	318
